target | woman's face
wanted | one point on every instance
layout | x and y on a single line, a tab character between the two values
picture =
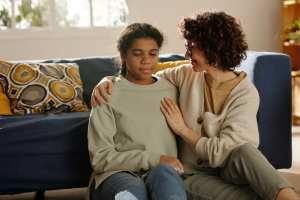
141	59
197	57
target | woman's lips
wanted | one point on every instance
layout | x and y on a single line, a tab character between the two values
193	62
196	68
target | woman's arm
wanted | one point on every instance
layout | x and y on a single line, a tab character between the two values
173	75
102	91
239	127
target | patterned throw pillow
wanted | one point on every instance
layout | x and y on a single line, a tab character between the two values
43	87
4	102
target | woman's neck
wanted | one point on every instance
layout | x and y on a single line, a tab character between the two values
220	75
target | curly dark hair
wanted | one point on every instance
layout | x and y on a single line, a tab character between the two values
136	31
219	36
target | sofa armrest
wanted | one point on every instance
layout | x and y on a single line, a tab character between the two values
271	74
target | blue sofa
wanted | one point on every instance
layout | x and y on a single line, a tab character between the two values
49	151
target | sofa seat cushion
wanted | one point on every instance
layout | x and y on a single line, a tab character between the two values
44	151
18	131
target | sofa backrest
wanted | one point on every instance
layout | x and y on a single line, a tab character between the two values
93	69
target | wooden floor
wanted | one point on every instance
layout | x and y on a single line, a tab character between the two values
293	174
69	194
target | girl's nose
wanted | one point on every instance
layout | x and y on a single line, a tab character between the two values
146	60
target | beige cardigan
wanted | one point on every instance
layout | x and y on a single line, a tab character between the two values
235	125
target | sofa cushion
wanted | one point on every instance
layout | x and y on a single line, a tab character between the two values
40	87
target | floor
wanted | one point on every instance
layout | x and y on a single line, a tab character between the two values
292	174
296	150
69	194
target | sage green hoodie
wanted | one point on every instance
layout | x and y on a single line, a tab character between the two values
130	133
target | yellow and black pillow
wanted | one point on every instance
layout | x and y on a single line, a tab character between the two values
43	87
4	102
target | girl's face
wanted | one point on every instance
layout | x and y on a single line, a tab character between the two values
141	59
197	57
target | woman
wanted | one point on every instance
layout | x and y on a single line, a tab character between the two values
217	116
132	150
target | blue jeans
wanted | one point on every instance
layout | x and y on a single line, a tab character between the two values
162	183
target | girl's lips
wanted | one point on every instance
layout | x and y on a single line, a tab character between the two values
147	71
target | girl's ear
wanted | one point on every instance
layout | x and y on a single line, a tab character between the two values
123	64
123	58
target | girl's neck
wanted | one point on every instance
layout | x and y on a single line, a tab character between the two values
140	82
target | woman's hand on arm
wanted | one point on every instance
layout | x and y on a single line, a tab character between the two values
173	162
102	92
175	120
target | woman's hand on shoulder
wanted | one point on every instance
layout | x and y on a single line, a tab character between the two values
175	120
173	162
102	92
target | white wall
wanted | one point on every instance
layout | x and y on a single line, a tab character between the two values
261	20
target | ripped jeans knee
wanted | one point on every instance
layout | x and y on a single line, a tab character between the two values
120	186
125	195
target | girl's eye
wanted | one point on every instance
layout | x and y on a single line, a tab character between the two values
137	54
153	54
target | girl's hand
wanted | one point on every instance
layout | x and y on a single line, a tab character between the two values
173	116
173	162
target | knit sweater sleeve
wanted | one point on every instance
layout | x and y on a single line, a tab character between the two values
102	149
239	127
174	75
